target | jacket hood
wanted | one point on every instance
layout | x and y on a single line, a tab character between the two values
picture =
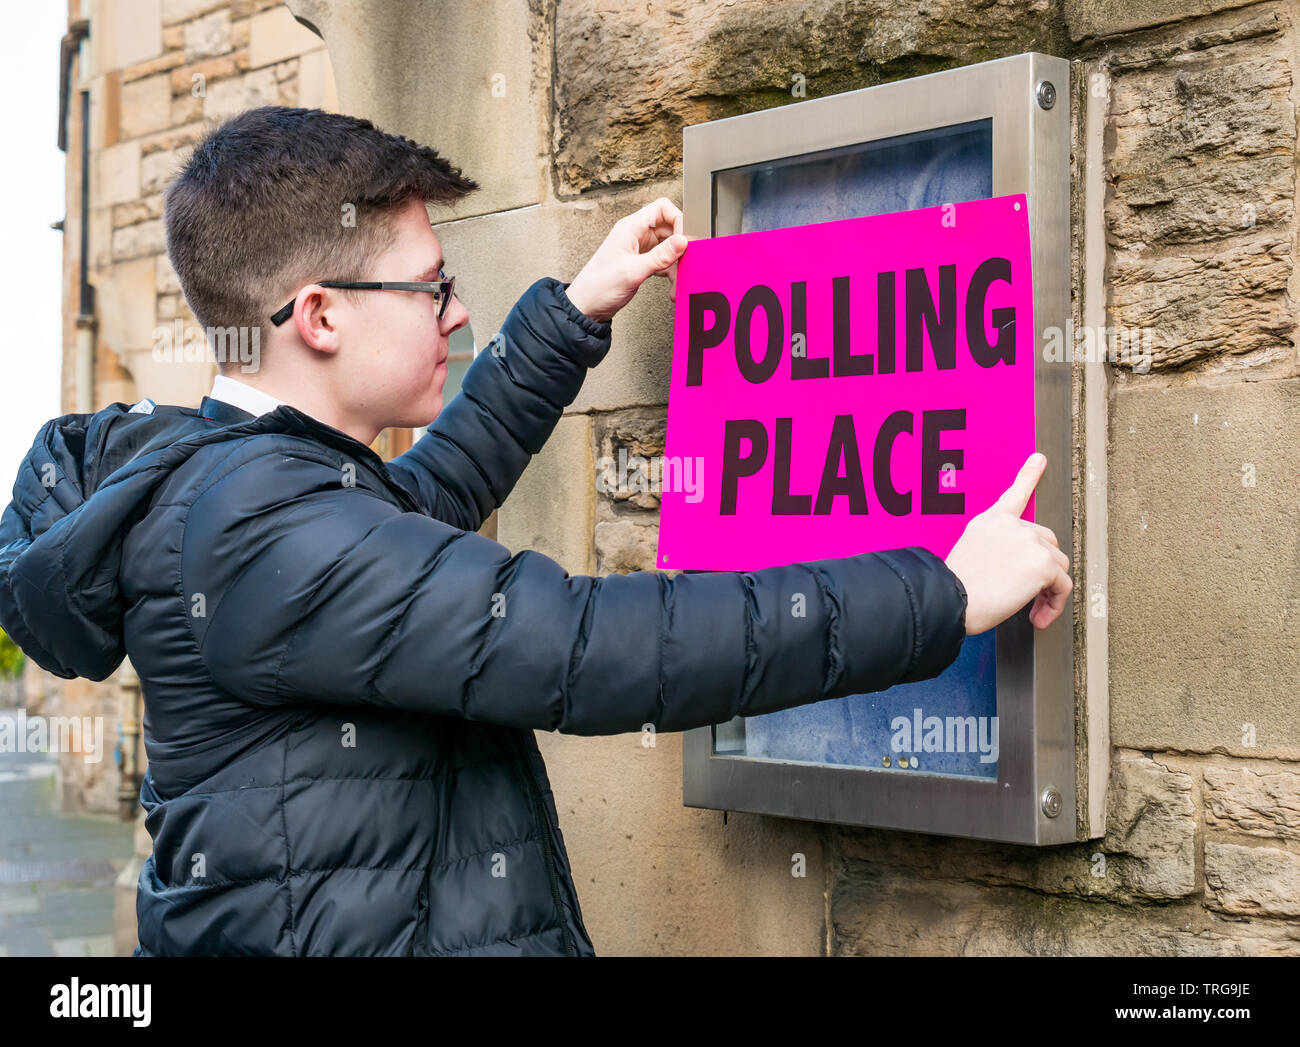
86	481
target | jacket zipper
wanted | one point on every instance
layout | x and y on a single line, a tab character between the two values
539	806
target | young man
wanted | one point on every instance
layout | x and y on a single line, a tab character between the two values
341	678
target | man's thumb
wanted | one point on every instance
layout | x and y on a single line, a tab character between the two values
664	254
1016	497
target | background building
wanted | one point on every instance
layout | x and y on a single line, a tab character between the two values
569	112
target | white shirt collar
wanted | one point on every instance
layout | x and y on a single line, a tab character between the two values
243	396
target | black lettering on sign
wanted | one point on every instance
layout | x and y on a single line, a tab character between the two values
933	458
894	503
698	336
846	364
843	444
783	502
759	371
886	331
734	465
805	366
1004	319
941	323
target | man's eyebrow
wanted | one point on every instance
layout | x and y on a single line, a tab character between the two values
432	272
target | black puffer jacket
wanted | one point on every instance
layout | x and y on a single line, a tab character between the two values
342	679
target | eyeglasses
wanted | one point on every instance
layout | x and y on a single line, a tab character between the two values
440	289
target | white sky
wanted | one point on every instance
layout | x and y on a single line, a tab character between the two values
31	194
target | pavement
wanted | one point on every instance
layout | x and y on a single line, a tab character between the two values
56	870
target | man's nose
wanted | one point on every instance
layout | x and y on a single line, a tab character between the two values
456	317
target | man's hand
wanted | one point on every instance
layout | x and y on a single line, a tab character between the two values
647	243
1004	561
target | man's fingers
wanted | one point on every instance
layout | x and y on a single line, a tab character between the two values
1047	608
686	241
657	221
657	229
1059	558
664	212
1042	614
1045	533
1049	603
1016	497
657	261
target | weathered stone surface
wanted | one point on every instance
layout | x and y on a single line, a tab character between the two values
162	64
101	237
118	170
625	545
1252	881
275	35
630	76
139	240
1244	800
1190	205
227	97
1213	307
1087	18
1151	827
240	31
879	912
316	88
182	10
196	76
127	32
146	105
105	115
1148	853
466	79
1205	569
173	138
186	107
158	169
1202	205
126	317
626	443
138	210
208	36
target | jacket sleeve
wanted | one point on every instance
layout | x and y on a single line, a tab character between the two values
313	592
511	398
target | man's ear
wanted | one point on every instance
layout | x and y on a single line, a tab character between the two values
313	316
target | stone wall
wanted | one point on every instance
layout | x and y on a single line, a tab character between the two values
569	112
1195	133
1196	137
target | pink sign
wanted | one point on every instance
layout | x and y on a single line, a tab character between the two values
847	387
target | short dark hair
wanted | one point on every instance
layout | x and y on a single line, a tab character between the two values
276	197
